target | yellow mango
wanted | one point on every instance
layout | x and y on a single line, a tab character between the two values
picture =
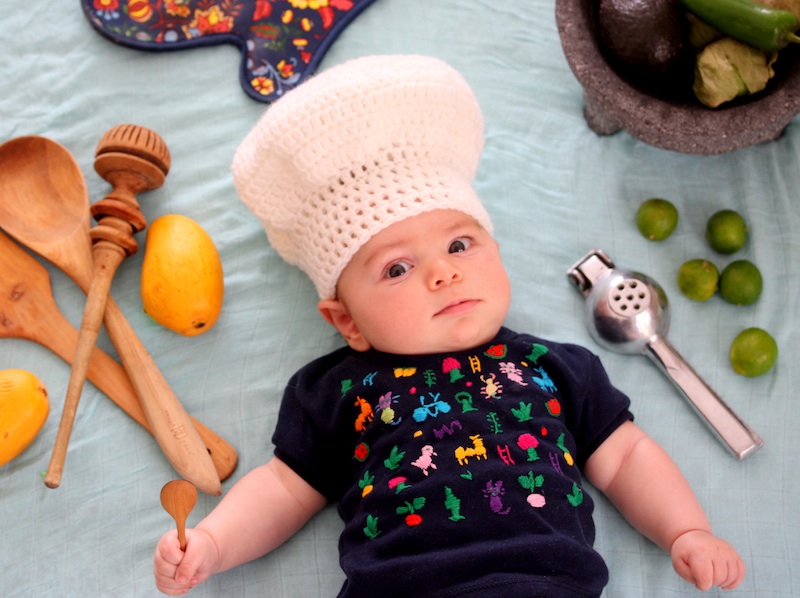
182	283
23	410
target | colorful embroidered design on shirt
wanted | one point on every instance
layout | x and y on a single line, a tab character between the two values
494	491
477	450
409	509
510	425
425	460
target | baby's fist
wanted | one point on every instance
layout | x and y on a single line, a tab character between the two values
707	561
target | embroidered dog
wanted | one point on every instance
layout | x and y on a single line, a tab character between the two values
477	450
425	460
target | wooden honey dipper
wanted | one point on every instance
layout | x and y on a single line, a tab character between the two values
133	159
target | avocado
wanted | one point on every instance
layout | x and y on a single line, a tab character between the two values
646	40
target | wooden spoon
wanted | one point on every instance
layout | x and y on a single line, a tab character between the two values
29	311
178	498
44	205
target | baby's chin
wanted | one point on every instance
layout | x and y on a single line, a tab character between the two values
460	339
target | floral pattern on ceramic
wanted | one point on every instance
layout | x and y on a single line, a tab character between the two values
282	42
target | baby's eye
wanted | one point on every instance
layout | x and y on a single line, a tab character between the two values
460	245
397	269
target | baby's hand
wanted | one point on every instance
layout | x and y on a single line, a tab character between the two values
706	561
177	572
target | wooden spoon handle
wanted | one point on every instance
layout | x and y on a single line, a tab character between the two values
107	259
111	378
29	311
32	314
171	425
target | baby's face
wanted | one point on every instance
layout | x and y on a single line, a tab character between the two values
428	284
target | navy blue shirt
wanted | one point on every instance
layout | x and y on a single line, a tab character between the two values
458	473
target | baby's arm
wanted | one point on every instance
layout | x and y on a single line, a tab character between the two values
649	490
260	512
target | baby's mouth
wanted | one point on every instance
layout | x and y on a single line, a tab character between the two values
457	307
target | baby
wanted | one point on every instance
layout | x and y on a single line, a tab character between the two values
454	447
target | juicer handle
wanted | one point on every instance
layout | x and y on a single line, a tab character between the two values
729	428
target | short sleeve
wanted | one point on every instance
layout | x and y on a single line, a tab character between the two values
310	436
597	408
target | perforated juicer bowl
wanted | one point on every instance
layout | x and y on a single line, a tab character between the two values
628	309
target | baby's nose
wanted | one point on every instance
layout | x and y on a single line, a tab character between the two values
443	273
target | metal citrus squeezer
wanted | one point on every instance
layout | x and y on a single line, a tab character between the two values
628	312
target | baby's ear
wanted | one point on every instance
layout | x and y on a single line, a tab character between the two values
337	315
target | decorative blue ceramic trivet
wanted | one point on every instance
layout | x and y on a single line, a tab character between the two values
282	42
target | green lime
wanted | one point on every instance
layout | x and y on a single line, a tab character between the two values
656	219
726	231
753	352
740	283
697	279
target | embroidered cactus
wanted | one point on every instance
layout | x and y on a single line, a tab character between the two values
394	459
576	498
371	529
452	504
430	377
523	413
494	423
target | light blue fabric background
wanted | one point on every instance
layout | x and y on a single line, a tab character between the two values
554	189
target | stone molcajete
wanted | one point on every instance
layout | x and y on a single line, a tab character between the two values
678	123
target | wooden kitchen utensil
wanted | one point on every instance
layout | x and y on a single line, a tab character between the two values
133	159
178	498
44	205
30	312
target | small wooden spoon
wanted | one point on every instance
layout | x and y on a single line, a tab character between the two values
45	206
178	498
30	312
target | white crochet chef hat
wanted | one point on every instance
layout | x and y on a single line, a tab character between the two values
356	148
